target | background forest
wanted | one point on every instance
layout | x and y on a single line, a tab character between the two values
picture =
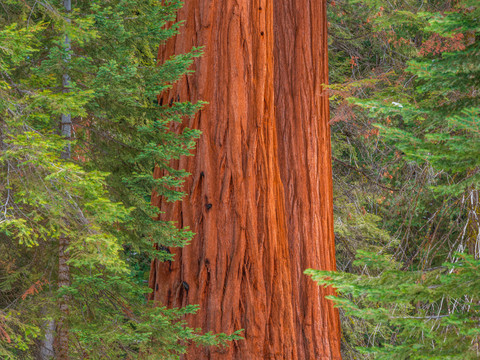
406	152
405	123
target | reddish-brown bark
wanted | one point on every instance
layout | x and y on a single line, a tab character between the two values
304	152
244	266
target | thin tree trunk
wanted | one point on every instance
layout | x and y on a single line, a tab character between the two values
239	267
46	351
63	280
473	216
63	268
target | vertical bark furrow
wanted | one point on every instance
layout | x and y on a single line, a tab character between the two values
301	67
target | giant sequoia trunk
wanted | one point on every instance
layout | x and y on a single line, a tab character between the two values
259	198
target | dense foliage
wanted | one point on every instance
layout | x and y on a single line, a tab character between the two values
406	161
92	190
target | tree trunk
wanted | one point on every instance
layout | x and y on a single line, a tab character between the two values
244	266
473	227
63	280
46	351
63	256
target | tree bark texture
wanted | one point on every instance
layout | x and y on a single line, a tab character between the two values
259	198
304	156
63	280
